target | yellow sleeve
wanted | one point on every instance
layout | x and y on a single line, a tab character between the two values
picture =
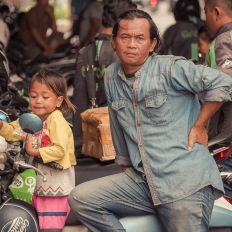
61	137
10	131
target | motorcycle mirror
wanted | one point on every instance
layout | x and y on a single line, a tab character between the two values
30	123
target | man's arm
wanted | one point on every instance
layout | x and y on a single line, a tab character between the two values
198	132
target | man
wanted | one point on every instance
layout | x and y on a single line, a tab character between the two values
159	136
33	32
180	39
101	55
219	20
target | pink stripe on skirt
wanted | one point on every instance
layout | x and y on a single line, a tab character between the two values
52	211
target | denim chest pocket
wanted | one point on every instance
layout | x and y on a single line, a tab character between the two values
159	109
120	106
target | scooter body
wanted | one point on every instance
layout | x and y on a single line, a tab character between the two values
221	220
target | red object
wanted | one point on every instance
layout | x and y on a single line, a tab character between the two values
45	140
229	199
153	2
222	153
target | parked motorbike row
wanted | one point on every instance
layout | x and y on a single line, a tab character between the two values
21	69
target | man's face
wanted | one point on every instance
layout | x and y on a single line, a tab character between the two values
133	43
210	19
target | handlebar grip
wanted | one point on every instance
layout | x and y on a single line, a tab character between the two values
52	165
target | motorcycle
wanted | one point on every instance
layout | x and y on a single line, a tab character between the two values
24	216
18	215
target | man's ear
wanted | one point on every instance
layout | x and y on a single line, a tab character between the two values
217	12
153	45
112	42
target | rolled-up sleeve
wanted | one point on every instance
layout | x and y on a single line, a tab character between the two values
188	77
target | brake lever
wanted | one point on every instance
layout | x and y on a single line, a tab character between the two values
22	164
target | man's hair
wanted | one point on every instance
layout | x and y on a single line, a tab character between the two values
225	4
112	10
133	14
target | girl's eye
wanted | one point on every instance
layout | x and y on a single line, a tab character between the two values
31	96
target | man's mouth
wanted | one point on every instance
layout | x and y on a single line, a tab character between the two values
131	54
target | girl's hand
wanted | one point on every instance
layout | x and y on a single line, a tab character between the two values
1	124
29	146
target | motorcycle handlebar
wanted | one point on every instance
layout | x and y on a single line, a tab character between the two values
52	165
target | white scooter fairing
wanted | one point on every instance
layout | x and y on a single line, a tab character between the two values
221	218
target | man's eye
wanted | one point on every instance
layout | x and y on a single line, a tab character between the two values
140	39
125	38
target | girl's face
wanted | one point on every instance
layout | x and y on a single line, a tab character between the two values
43	101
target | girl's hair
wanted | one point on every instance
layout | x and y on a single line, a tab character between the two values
136	13
57	83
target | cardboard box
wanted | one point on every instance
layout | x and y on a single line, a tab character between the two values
97	139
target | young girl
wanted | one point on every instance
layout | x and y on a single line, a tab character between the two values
48	100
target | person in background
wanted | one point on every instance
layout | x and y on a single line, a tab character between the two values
33	31
77	8
159	136
180	39
48	100
219	20
90	21
204	40
102	57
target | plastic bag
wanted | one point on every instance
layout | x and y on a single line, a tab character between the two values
23	185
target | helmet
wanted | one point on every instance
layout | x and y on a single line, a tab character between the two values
17	215
185	8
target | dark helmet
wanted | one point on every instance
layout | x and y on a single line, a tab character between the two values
185	8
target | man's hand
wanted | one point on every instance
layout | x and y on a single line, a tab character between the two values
198	132
197	135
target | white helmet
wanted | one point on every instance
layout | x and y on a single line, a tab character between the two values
5	34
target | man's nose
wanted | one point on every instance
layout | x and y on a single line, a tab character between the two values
131	42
